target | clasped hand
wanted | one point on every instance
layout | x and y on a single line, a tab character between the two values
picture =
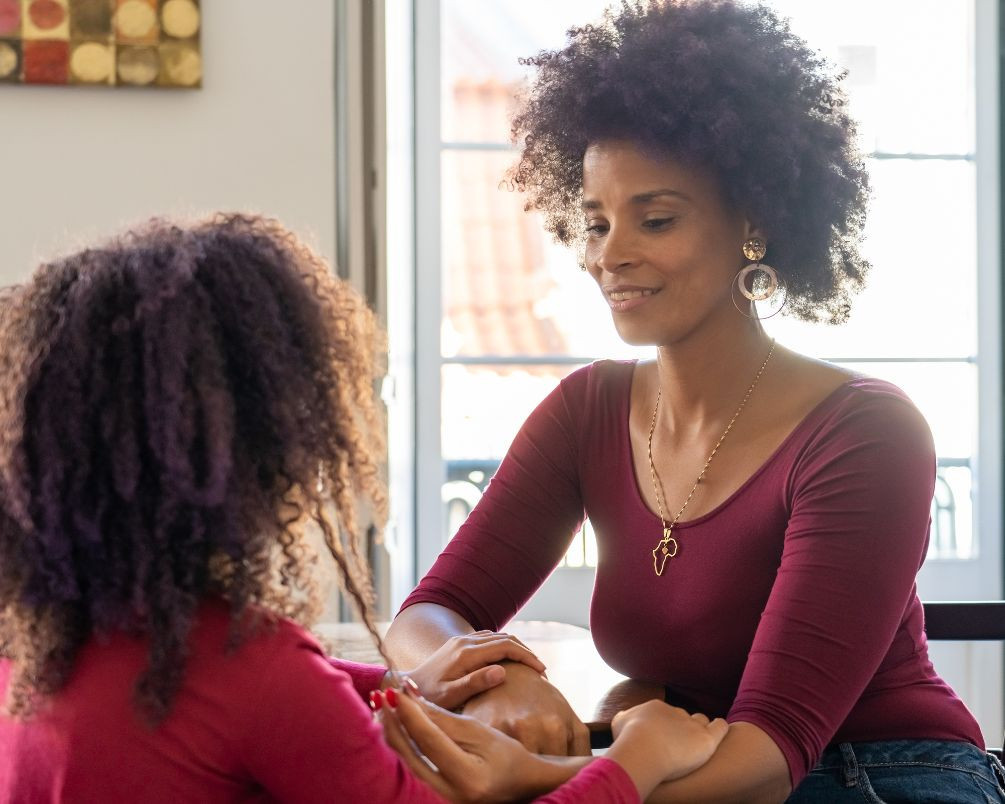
515	698
467	665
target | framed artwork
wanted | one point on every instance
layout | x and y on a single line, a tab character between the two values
133	43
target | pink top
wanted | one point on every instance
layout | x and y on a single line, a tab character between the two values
275	721
792	605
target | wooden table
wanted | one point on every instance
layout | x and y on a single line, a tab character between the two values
594	691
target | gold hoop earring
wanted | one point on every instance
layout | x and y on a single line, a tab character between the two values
764	284
769	286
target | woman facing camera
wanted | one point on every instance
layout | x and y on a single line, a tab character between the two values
179	409
760	515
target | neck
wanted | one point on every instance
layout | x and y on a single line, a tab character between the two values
703	378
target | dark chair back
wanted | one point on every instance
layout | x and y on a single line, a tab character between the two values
966	622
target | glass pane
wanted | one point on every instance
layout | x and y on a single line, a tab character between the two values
481	43
920	298
909	62
508	288
483	408
952	515
910	68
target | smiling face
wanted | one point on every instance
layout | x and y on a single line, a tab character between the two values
662	243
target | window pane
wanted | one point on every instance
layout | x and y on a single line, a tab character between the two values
508	288
484	406
920	298
481	44
952	534
910	68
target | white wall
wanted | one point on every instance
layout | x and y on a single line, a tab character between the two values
80	162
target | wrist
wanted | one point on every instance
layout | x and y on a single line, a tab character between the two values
644	771
544	772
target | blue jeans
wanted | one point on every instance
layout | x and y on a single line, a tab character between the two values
895	771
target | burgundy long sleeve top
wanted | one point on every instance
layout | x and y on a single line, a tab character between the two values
792	605
275	721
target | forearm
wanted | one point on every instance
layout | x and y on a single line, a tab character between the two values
747	768
548	772
419	630
645	775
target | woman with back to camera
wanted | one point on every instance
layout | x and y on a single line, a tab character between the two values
177	407
760	515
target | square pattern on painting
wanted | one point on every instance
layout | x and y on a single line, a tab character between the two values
112	42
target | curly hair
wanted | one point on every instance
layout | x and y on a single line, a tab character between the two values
176	407
722	85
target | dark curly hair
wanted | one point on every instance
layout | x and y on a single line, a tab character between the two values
719	84
177	408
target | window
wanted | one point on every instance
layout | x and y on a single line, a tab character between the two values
502	313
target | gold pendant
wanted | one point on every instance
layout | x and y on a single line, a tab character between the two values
667	548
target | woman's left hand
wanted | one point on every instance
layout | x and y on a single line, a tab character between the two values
466	665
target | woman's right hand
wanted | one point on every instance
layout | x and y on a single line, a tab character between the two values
469	664
655	742
530	709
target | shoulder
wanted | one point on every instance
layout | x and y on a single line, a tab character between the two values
266	640
825	402
599	374
280	665
592	394
867	435
604	382
880	409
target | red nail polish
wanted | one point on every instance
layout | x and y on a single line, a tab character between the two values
412	687
391	694
375	701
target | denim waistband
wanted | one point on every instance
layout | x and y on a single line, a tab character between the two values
899	753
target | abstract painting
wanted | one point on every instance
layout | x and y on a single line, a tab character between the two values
111	42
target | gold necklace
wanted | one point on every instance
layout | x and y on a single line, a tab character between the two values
667	547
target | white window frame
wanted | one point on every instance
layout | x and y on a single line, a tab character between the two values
429	470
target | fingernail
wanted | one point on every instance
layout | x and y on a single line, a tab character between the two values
412	687
375	701
391	694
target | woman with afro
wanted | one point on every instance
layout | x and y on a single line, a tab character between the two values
760	515
183	412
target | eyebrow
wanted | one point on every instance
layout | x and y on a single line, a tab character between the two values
643	198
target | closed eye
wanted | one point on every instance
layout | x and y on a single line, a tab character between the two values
656	224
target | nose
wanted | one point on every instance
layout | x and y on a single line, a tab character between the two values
616	251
